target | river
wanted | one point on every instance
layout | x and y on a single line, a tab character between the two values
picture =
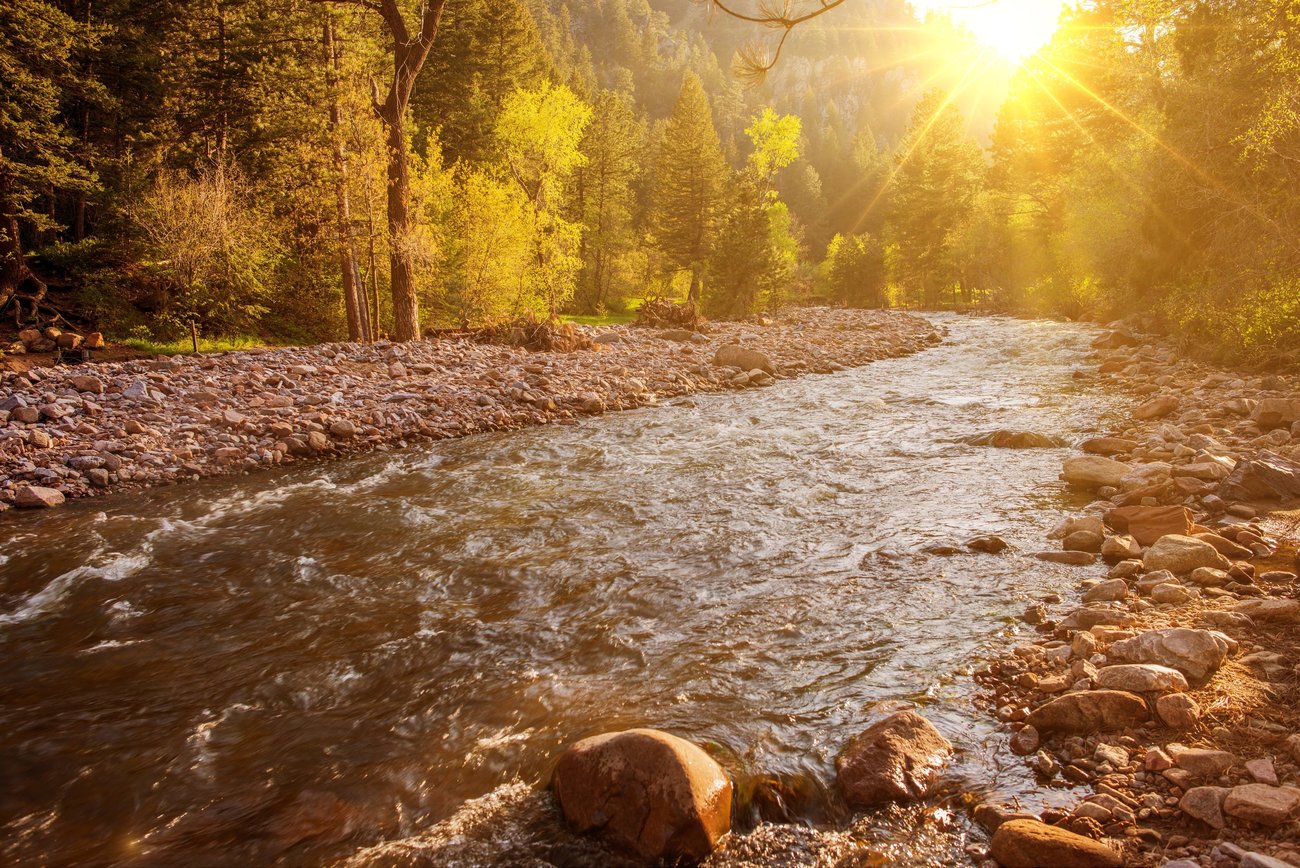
293	665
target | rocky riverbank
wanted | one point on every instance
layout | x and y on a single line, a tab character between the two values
84	430
1168	696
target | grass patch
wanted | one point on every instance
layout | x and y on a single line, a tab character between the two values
607	319
185	347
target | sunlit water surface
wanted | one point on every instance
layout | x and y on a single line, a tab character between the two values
292	666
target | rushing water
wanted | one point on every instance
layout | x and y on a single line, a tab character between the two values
292	666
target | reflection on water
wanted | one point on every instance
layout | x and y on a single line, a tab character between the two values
293	666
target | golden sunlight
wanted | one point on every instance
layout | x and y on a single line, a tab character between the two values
1013	28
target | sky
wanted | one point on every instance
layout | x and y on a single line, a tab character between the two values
1015	28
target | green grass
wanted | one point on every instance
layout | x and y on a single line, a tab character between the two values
607	319
185	346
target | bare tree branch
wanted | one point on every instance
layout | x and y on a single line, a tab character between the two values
754	60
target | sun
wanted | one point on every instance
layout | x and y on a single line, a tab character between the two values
1014	29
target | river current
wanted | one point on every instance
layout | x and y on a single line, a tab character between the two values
291	666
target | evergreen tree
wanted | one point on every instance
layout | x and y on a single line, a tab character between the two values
688	183
38	49
602	195
940	169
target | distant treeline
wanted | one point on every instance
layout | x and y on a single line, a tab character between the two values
253	166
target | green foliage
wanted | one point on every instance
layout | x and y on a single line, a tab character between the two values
539	133
940	170
854	271
688	180
776	143
209	248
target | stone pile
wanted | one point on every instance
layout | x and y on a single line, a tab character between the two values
82	430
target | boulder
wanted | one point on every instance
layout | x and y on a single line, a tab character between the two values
736	356
1015	440
988	544
1276	413
1203	763
1178	711
1087	618
1108	446
1205	804
1208	577
68	341
1107	591
1182	554
1197	654
1094	471
1171	593
93	385
897	759
1083	541
1262	804
94	341
1267	476
650	793
1277	611
1140	678
1089	712
1072	559
1225	547
1120	548
1156	408
1032	844
37	497
1146	524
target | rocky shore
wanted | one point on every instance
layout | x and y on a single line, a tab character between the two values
1167	697
78	431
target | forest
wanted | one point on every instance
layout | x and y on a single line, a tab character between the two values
295	171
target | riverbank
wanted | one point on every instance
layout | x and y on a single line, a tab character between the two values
1168	696
69	432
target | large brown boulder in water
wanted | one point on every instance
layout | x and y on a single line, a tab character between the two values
896	760
1031	844
647	792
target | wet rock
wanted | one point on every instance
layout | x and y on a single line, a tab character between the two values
897	759
1015	440
1276	611
1087	618
1032	844
1197	654
1262	804
1205	804
1094	471
1083	541
653	794
37	497
1093	711
1108	446
736	356
990	816
1182	554
1146	524
1267	476
1141	678
1025	741
1178	711
987	544
1072	559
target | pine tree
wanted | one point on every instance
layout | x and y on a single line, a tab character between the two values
602	194
688	183
38	47
940	170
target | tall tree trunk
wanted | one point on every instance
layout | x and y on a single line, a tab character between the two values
401	264
409	53
358	325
